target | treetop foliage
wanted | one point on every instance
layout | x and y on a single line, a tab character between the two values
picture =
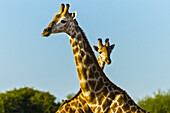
160	103
69	96
27	100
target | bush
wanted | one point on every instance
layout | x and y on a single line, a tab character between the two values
160	103
27	100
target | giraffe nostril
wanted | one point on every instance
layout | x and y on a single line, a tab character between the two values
49	29
45	29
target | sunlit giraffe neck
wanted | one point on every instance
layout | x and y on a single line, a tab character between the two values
78	103
99	92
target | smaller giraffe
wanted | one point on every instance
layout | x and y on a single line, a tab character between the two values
104	52
78	104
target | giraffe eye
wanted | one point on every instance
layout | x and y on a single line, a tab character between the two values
63	21
100	52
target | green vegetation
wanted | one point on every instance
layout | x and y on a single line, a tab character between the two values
27	100
69	96
160	103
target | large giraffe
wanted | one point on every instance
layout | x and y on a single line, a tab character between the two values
100	93
78	103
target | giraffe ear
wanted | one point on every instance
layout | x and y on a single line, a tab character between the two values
95	48
112	46
74	14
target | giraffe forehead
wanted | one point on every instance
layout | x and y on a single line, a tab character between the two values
57	17
103	49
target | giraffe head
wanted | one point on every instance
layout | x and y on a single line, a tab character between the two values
104	50
62	21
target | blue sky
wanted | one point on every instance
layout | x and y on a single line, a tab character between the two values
139	28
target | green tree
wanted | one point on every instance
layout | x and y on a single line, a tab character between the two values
27	100
69	96
160	103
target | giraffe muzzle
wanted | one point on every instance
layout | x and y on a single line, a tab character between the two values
108	61
46	32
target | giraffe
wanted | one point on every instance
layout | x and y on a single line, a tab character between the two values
101	95
78	103
104	52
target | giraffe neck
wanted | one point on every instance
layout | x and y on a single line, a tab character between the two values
78	97
79	93
97	89
86	64
93	82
